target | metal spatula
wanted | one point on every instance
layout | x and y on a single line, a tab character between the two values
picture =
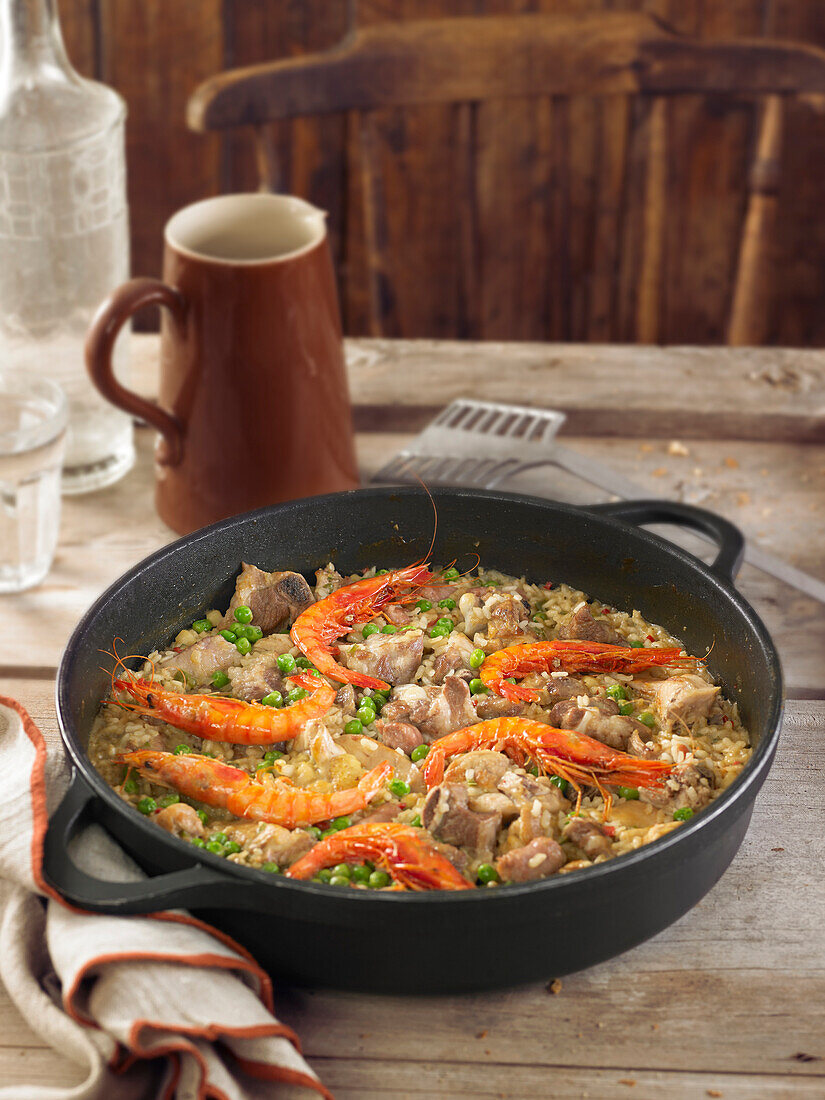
481	444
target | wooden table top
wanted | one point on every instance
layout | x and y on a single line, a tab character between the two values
728	1002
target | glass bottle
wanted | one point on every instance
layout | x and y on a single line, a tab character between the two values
64	240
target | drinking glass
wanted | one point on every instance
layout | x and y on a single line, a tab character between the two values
33	417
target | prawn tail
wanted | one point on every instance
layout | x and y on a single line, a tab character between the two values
370	784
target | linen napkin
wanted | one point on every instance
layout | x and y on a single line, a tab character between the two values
156	1006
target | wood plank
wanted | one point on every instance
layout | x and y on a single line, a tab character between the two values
361	1079
605	390
654	1015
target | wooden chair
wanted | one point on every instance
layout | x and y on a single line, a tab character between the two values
475	59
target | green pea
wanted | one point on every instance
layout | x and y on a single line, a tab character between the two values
449	603
220	679
399	788
251	633
445	620
353	727
201	625
625	709
419	752
616	691
477	687
635	645
389	629
314	831
440	631
339	880
169	800
477	658
451	574
369	630
416	821
273	699
130	785
231	847
366	715
339	823
286	663
559	782
197	842
378	879
648	718
539	616
379	697
147	805
630	793
324	875
202	814
342	869
243	646
532	769
294	695
243	614
219	838
424	605
230	635
381	572
685	814
273	868
215	848
301	662
272	755
360	873
487	873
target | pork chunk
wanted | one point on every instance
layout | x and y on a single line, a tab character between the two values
455	657
524	790
505	613
255	680
345	699
178	819
494	706
582	626
483	768
275	599
436	711
393	658
588	836
681	698
270	843
327	580
540	858
199	662
448	817
599	719
398	735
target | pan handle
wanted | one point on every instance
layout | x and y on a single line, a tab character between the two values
728	538
195	886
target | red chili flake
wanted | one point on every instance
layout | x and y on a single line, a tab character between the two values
725	719
549	584
609	830
177	649
650	638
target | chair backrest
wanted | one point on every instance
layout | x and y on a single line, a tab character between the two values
471	60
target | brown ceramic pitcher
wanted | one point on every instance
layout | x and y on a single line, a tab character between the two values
253	405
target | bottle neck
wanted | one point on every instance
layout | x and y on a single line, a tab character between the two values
31	42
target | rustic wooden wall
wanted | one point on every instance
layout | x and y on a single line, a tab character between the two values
551	248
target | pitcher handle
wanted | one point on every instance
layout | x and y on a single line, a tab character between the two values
100	341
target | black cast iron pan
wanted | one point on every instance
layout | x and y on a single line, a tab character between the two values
428	942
